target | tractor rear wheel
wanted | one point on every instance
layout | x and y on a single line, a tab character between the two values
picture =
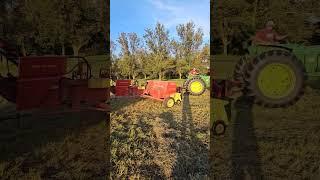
275	79
196	86
168	102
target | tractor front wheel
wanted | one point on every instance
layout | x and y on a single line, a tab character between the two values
168	102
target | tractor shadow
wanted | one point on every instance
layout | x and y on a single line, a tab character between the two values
191	153
246	162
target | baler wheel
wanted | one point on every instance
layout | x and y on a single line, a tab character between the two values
219	128
178	102
275	79
168	102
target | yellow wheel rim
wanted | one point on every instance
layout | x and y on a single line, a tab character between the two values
170	103
196	87
276	80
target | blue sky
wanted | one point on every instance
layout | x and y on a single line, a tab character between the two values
137	15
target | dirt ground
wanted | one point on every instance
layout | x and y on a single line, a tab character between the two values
270	143
153	142
61	146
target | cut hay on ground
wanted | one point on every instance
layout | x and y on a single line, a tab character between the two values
150	141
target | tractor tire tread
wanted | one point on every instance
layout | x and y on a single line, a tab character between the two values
202	82
251	90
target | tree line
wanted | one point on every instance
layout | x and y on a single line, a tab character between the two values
55	26
234	22
156	55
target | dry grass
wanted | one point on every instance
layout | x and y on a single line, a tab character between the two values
273	143
64	146
153	142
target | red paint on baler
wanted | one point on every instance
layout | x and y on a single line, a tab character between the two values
38	81
122	87
41	84
160	89
42	66
37	92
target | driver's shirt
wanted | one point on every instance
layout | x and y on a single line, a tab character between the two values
193	72
266	35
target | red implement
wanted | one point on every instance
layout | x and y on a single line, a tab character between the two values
160	89
122	87
38	81
42	84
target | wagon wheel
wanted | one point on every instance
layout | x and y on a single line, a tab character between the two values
219	128
196	86
275	79
168	102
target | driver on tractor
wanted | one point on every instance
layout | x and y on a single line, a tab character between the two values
194	71
268	35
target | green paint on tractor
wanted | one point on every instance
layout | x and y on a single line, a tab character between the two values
197	84
205	78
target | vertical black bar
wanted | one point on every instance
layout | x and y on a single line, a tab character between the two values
107	43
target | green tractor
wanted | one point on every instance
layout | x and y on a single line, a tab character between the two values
196	84
273	75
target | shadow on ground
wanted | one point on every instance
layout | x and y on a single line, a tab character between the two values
192	154
246	162
53	146
132	141
277	143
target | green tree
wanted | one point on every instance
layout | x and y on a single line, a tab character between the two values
231	15
158	43
190	40
20	29
181	64
129	51
49	23
113	59
82	22
143	61
124	67
134	45
201	60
